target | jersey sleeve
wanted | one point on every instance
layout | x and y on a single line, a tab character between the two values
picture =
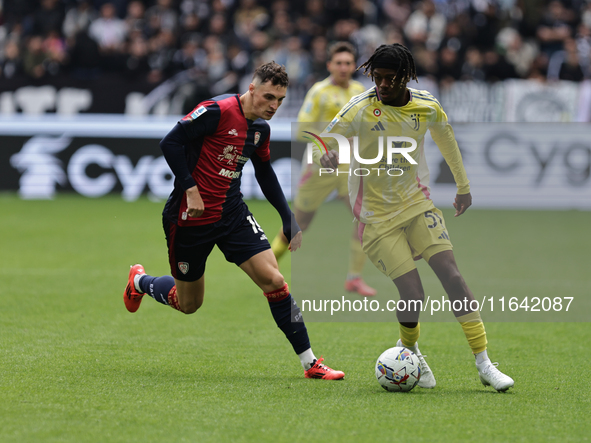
202	121
264	151
443	135
342	124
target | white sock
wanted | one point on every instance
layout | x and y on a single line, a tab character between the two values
136	282
481	357
307	359
351	276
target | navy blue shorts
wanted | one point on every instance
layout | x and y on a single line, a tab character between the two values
239	238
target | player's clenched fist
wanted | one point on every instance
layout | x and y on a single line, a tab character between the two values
195	205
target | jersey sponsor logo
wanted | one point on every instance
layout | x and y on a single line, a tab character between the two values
183	267
415	118
42	170
230	174
378	127
377	112
228	154
257	138
198	112
233	132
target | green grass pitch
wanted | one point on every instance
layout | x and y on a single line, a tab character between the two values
75	366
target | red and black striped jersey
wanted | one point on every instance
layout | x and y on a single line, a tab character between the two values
217	141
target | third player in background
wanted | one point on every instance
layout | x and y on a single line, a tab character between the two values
323	101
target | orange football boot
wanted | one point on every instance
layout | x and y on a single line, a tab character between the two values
318	370
131	297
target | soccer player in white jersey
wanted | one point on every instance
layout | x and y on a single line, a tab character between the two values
398	221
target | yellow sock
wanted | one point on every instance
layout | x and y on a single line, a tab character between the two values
409	336
474	330
278	246
356	257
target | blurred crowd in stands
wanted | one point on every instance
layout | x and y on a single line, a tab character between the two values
220	41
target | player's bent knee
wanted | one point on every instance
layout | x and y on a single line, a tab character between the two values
190	306
276	281
270	281
454	280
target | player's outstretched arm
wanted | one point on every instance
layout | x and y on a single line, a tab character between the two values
462	203
269	184
443	135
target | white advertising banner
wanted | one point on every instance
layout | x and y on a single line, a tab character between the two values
530	101
519	165
510	165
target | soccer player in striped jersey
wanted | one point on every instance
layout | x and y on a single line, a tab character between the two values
391	200
206	152
321	103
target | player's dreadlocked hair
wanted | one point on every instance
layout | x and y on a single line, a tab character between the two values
339	47
271	71
395	56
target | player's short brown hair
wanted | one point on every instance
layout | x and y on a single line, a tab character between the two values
273	72
338	47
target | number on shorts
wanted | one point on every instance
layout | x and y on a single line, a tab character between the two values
256	228
432	215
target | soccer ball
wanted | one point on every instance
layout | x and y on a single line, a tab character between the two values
398	370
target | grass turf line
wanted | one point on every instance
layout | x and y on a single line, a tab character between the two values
76	366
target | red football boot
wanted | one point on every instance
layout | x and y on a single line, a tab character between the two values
318	370
359	286
131	297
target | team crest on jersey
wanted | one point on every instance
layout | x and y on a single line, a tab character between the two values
233	132
257	138
415	118
228	154
196	113
377	112
184	267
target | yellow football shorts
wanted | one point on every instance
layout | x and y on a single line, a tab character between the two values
314	188
393	245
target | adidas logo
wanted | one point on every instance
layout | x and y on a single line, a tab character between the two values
378	127
443	236
233	132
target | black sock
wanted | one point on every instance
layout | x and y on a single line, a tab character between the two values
289	319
